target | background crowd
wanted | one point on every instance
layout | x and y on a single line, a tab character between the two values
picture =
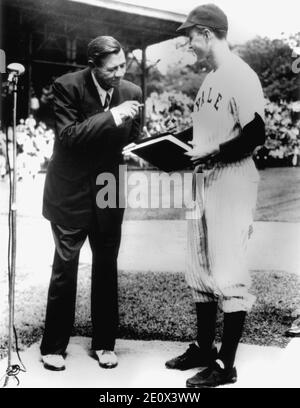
34	148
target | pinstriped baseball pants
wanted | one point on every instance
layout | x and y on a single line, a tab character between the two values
218	233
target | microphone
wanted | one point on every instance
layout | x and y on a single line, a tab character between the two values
15	69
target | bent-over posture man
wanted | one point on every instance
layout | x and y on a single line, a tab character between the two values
96	115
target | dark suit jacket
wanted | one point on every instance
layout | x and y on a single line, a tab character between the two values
87	143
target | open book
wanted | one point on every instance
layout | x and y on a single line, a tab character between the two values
165	152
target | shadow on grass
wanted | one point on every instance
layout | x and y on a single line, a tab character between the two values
159	306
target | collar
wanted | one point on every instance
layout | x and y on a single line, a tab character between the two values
102	92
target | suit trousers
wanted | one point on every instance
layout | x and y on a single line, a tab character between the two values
104	233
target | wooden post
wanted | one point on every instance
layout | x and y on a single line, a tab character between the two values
144	84
29	76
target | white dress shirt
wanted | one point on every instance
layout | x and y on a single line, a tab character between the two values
102	94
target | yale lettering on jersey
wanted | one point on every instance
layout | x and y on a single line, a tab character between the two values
208	97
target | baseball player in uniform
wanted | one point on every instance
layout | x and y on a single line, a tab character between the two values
228	124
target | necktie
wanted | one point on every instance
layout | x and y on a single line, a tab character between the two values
106	102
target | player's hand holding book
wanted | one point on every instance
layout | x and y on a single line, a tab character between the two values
200	156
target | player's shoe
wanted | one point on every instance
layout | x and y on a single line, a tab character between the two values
212	377
192	358
54	362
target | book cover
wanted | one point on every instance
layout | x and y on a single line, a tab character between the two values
166	152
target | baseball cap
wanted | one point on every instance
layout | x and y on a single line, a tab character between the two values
208	15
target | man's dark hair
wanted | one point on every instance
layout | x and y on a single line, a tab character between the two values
100	47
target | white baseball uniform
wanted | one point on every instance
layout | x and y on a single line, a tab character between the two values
226	194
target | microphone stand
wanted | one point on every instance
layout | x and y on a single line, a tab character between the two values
13	227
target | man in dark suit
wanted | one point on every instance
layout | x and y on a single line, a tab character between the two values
96	115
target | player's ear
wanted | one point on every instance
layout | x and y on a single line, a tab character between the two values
91	63
207	34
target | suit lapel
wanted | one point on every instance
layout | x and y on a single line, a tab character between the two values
91	99
115	100
90	88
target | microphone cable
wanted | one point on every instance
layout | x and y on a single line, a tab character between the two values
14	369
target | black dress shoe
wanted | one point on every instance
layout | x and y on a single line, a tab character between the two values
192	358
212	377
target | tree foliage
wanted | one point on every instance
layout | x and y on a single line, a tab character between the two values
272	60
184	79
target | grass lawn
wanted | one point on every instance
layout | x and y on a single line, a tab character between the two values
159	306
278	197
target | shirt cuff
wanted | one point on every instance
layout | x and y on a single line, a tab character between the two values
116	116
